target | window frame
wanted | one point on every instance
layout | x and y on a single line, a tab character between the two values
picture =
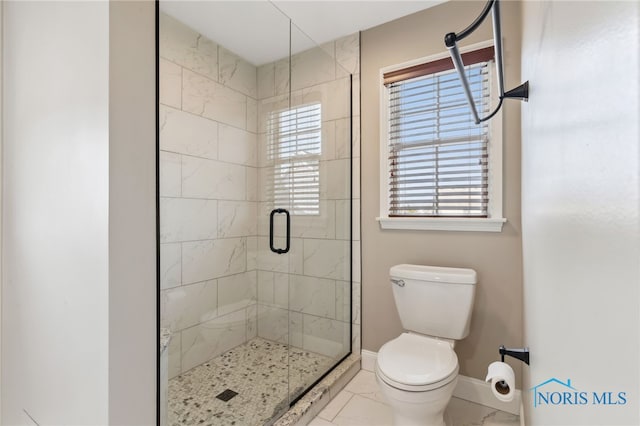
494	220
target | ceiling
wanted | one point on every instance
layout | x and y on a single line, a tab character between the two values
258	31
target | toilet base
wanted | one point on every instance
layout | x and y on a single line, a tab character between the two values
418	408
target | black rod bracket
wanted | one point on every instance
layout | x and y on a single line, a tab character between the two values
521	92
520	353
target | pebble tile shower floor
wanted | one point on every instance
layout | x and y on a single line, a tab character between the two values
257	371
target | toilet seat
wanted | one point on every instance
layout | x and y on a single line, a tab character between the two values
417	363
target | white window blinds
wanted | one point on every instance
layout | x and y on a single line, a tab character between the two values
438	156
295	140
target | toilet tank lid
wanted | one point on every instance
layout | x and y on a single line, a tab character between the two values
434	273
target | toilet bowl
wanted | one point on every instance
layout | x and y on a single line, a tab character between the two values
417	375
418	370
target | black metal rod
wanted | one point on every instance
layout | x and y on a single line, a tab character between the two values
459	66
475	24
497	46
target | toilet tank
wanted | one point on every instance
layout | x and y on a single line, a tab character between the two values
433	300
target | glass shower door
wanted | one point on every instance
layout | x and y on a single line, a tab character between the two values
319	134
304	289
275	248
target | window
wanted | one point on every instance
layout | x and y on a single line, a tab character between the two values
295	137
440	171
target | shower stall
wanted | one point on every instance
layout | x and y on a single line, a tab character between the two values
255	210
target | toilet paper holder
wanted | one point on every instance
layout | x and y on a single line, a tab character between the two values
519	353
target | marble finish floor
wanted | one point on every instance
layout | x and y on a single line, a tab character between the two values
258	371
360	403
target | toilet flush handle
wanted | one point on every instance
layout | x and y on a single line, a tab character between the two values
397	282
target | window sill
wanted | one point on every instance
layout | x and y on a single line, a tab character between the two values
442	224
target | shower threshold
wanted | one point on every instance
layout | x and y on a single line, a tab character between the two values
257	371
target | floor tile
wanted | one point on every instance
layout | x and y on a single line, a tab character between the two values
365	384
320	422
333	408
367	407
361	411
464	413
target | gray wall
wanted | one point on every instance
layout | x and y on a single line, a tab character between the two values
580	206
497	315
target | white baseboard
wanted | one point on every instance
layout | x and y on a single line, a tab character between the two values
369	360
468	388
479	391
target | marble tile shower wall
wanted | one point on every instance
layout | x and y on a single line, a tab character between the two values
208	189
220	284
303	298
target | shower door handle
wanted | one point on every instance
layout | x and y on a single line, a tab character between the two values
273	249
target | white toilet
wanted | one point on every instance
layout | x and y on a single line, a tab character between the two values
418	370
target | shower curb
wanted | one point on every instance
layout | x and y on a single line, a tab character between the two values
308	407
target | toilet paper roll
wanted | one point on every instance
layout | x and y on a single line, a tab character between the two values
503	381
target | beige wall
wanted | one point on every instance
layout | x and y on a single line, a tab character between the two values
132	342
497	257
